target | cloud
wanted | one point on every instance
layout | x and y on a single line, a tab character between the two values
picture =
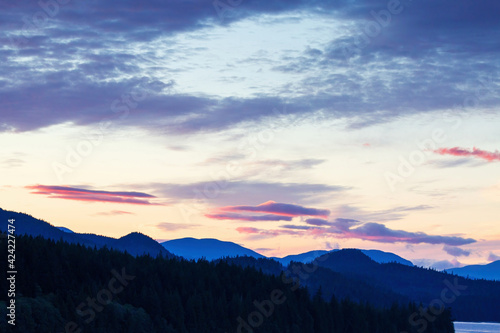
167	226
380	233
248	230
368	231
256	233
332	246
224	192
264	249
115	212
85	59
241	217
493	257
344	224
307	163
282	209
474	152
456	162
317	222
297	227
79	194
456	251
391	214
13	162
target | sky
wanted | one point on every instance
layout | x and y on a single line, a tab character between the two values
283	126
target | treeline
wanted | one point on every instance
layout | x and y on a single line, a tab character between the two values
65	287
351	274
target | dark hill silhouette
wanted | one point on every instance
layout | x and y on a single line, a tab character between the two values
376	255
346	260
478	302
352	274
343	273
134	243
175	296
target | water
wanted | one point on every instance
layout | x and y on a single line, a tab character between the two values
461	327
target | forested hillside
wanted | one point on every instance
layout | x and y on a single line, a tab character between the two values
64	287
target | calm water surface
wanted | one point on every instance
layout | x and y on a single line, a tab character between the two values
461	327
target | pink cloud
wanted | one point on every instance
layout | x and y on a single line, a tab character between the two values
282	209
78	194
475	152
247	230
115	212
353	229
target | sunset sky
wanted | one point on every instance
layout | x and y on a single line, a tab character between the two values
283	126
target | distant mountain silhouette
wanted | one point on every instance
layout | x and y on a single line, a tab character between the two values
134	243
302	257
490	271
377	255
65	230
347	260
208	248
386	257
478	302
351	273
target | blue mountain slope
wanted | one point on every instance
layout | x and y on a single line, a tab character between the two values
302	257
385	257
490	271
65	230
210	249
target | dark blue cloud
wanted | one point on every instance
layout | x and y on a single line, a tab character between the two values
422	59
456	251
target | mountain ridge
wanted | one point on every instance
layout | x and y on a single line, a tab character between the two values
26	224
489	271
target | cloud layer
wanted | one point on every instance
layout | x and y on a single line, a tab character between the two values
276	208
321	226
241	217
456	251
474	152
79	194
103	50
